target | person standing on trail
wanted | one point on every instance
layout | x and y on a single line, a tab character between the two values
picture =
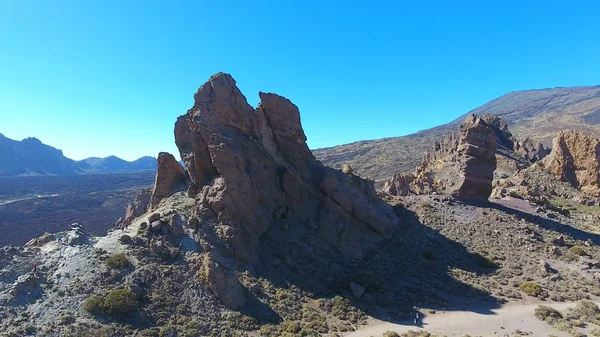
34	268
417	319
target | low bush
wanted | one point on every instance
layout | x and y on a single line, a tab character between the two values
117	301
94	305
390	334
542	312
117	261
586	311
531	288
577	250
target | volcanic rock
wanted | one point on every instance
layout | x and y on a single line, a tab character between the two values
170	178
533	151
400	184
460	165
575	159
139	206
252	167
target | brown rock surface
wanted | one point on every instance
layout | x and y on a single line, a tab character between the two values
460	165
531	150
250	169
170	178
138	207
575	159
400	184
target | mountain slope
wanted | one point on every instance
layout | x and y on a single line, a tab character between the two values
538	114
31	157
115	164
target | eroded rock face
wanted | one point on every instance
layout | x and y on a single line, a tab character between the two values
575	159
250	169
400	184
533	151
136	208
170	178
461	165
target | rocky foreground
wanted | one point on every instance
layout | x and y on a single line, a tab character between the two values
256	237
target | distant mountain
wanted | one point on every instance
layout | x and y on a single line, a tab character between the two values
116	164
31	157
537	114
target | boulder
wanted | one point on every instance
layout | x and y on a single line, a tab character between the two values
357	290
347	169
400	184
154	217
170	178
126	239
575	158
224	284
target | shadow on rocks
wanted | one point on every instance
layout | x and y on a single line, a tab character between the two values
410	270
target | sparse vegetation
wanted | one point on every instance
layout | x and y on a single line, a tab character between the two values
577	250
531	288
117	261
543	312
116	302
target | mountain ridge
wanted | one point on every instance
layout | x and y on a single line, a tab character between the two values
32	157
536	113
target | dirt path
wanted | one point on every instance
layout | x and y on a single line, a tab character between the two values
505	320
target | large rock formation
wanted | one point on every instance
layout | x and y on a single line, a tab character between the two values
575	159
250	169
460	165
170	178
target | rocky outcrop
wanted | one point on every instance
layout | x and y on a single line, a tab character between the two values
170	178
531	150
250	170
400	184
575	159
461	165
136	208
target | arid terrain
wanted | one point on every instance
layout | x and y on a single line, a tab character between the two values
256	237
31	206
537	114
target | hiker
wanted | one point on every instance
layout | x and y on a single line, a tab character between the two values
417	319
34	268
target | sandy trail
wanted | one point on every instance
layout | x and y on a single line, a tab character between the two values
505	320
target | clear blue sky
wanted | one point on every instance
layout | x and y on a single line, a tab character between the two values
103	77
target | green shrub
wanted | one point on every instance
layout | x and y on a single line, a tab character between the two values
291	327
531	288
94	305
486	260
542	312
586	311
119	301
117	261
577	250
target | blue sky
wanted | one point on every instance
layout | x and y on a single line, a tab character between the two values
96	78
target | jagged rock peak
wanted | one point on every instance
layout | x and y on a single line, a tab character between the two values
575	159
461	164
170	178
251	171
